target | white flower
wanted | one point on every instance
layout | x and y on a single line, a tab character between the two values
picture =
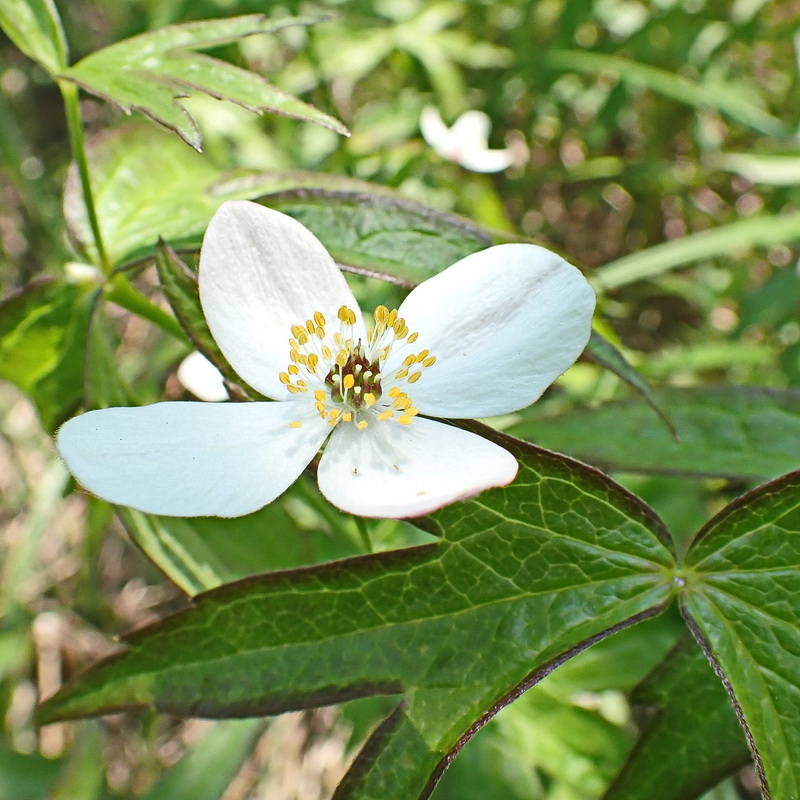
197	374
484	337
466	143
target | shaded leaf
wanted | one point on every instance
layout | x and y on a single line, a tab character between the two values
35	28
599	349
43	333
693	736
742	578
725	431
460	627
152	71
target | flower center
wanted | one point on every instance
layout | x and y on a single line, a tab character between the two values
346	376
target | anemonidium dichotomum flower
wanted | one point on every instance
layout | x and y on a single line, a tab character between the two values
484	337
466	142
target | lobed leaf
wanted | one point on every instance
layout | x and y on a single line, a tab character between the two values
725	431
523	577
153	71
35	28
694	735
742	578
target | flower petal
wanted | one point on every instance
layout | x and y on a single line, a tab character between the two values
394	471
435	132
192	459
260	273
482	160
503	324
471	130
197	374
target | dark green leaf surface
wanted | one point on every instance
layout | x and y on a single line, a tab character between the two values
35	28
741	601
726	431
604	353
454	626
694	736
43	334
150	72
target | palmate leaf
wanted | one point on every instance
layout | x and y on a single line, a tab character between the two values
741	602
522	577
152	71
694	735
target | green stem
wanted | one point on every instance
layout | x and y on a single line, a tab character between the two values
119	291
69	91
363	532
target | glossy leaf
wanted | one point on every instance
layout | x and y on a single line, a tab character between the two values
459	627
152	71
725	431
740	600
694	735
35	28
43	333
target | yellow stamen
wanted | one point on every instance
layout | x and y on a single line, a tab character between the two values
413	338
296	424
284	378
319	319
384	415
404	420
293	370
394	391
347	417
361	425
415	377
429	361
369	399
349	381
320	396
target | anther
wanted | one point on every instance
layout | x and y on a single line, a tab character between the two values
296	424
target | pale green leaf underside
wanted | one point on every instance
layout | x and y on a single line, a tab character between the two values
453	626
150	72
743	581
35	28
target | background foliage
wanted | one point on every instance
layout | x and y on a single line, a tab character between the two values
656	147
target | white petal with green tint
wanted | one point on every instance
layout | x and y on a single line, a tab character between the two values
192	459
503	324
260	273
394	471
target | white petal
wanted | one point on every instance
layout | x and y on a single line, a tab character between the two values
435	132
192	459
260	273
471	130
503	324
391	470
197	374
482	160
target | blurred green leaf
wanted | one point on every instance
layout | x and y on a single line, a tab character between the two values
694	735
43	333
762	231
35	28
725	431
740	600
205	772
153	71
26	776
83	776
604	353
460	626
773	169
723	98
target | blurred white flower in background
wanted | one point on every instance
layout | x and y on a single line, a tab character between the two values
466	142
197	374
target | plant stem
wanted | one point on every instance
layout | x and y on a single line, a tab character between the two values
69	91
119	291
363	532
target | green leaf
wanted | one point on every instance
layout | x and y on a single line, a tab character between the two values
694	736
762	231
523	577
26	776
204	774
43	333
726	99
153	71
604	353
146	185
725	431
35	28
740	600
